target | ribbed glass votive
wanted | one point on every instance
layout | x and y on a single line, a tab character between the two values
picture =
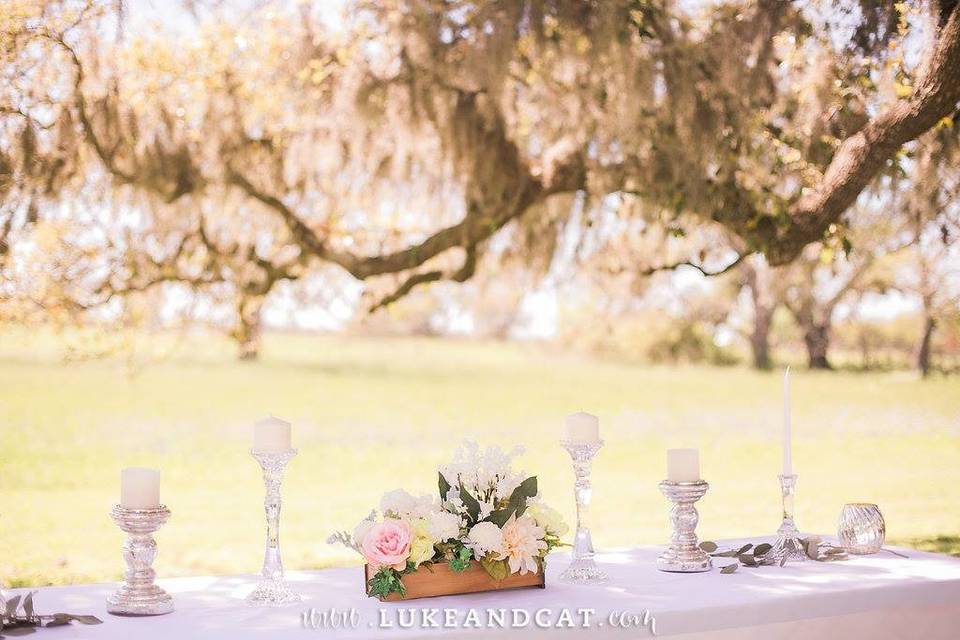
861	529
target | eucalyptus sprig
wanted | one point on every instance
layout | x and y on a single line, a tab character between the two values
18	617
758	556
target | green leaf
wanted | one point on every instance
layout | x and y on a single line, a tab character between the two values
745	548
444	487
500	516
708	546
382	584
59	619
528	487
498	569
88	619
461	560
516	504
471	503
762	549
747	559
518	499
730	568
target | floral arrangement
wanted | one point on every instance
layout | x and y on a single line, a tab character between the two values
485	512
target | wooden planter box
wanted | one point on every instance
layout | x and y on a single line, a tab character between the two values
440	580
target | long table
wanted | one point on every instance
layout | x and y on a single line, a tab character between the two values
878	596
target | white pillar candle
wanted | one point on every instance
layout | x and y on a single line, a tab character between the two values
787	435
581	427
683	465
271	434
139	488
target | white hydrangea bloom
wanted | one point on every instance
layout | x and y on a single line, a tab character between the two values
484	538
443	525
507	484
487	474
396	502
486	508
400	504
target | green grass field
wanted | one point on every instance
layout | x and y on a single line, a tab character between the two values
374	414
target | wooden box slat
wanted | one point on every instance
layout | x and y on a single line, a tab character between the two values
442	581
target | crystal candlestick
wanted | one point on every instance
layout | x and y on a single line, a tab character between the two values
684	554
273	589
583	569
139	596
788	547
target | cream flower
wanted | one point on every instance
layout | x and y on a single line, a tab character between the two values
421	547
484	538
522	543
548	518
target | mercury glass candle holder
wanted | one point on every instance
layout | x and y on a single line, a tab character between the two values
273	589
139	596
788	547
583	569
684	554
861	529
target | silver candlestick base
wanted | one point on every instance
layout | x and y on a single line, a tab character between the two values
684	555
139	596
788	547
273	589
583	569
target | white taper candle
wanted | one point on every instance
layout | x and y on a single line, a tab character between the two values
787	435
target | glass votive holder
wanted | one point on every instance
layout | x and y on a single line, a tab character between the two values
861	529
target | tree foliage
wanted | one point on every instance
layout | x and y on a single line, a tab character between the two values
423	139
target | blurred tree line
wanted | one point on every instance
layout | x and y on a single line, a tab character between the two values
200	158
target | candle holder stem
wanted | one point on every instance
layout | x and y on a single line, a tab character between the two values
583	568
139	596
273	589
684	554
788	547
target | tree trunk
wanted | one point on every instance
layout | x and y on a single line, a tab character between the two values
816	337
760	338
923	350
247	333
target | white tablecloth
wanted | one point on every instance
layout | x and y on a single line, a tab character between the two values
878	596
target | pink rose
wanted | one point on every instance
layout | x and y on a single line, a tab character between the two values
387	544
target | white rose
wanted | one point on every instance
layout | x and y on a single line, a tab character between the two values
484	538
443	525
548	518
